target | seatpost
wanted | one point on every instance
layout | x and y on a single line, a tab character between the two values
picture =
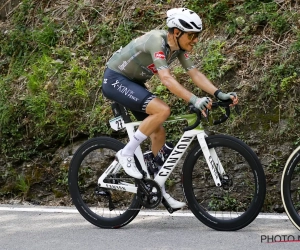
120	110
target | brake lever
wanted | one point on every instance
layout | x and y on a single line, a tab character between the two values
207	115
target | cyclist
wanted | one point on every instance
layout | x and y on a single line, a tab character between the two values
130	67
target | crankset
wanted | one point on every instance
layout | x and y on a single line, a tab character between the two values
149	193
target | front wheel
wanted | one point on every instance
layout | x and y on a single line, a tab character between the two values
290	187
238	201
103	207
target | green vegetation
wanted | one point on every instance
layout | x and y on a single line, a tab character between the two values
52	57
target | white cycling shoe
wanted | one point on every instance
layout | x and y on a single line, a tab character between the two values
128	164
172	202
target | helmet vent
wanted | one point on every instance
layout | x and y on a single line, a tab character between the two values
185	24
197	27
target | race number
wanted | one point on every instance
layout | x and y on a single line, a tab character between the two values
117	123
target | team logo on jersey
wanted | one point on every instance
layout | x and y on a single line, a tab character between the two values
123	65
115	84
159	55
152	68
186	55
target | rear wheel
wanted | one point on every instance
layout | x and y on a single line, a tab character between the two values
238	201
106	208
290	188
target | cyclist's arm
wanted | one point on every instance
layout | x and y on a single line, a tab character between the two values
205	84
201	81
198	78
155	46
175	87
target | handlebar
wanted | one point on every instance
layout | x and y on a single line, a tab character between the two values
223	118
193	109
225	105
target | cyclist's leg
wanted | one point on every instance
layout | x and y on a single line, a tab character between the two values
158	137
135	97
158	112
149	125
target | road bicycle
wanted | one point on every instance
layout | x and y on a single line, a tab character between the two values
222	178
290	187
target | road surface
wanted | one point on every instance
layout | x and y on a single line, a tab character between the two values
42	228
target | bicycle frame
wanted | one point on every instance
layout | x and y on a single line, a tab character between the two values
186	139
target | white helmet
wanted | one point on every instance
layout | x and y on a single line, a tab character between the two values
184	19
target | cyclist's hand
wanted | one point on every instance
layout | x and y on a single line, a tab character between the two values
201	103
226	96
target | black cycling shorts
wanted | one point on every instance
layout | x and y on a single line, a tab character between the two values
131	95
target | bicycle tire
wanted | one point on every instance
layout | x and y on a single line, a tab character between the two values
90	160
290	187
217	208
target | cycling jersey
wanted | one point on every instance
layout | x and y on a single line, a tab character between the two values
146	55
130	67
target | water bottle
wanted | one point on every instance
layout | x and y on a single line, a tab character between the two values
148	157
163	154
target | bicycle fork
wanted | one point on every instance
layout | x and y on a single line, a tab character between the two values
212	159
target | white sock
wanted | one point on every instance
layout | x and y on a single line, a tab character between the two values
134	142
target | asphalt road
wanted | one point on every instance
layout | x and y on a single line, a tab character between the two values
45	228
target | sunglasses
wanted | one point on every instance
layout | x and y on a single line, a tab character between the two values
193	36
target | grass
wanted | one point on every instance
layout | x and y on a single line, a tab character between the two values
52	60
